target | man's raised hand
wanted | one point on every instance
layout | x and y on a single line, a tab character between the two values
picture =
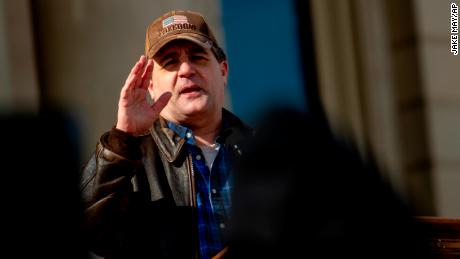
135	114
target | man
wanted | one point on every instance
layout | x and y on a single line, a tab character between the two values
158	185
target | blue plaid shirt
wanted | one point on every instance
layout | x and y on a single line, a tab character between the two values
213	190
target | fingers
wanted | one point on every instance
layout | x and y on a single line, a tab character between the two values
161	102
133	77
139	65
146	76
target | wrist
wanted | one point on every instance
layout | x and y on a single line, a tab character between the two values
124	143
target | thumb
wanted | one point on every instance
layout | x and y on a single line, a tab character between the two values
161	102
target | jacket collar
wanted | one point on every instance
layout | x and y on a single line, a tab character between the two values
170	143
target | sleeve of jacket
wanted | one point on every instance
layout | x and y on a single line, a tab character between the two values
106	188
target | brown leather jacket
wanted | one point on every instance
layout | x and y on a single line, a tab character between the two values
140	200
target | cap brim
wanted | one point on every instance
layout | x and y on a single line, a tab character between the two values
193	37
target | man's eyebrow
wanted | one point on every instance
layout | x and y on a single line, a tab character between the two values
197	50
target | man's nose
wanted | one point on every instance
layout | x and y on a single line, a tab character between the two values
186	68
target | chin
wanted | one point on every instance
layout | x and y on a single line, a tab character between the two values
195	107
193	112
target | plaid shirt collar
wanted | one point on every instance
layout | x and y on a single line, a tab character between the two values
182	132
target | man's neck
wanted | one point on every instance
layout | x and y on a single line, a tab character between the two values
206	131
205	128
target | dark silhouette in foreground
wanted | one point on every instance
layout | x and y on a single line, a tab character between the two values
300	192
40	201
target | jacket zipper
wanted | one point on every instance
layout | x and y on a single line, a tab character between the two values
192	181
192	194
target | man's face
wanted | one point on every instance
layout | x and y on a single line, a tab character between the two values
194	77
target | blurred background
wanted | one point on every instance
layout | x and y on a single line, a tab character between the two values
380	70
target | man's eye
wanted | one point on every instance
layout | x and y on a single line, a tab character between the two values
198	57
168	62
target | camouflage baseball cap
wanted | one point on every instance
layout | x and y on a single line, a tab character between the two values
185	25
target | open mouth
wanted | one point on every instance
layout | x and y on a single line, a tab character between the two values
191	90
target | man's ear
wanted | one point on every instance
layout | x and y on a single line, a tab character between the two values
224	70
150	89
